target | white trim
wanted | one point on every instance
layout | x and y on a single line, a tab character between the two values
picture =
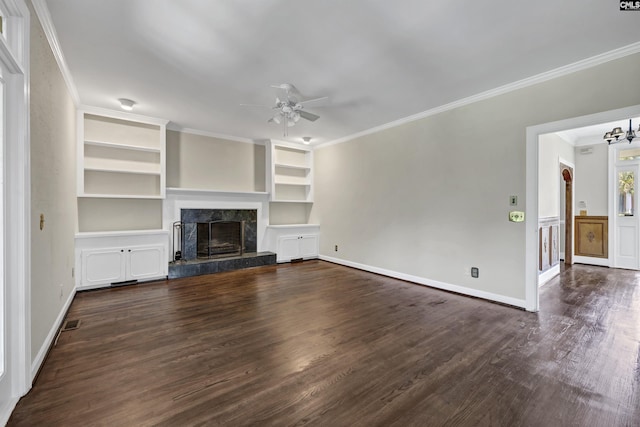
7	409
175	201
500	90
176	128
12	64
543	278
258	195
428	282
531	188
48	342
44	16
17	205
119	233
122	115
603	262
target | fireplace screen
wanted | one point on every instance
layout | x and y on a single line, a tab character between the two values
219	239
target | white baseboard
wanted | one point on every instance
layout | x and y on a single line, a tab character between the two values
604	262
6	409
548	275
430	283
35	365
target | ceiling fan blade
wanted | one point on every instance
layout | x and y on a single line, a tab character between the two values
309	116
314	101
256	105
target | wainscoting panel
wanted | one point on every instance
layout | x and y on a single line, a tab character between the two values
592	236
548	243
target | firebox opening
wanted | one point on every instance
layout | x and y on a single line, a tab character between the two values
218	239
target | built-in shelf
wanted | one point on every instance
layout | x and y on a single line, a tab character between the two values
122	146
283	181
120	155
119	196
124	166
287	166
290	174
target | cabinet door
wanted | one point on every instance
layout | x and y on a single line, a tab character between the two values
145	262
309	246
102	266
288	248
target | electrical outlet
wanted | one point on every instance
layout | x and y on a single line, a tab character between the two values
335	248
516	216
475	272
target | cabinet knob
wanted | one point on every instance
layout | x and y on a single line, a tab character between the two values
129	250
121	250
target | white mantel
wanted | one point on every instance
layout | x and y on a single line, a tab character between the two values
191	198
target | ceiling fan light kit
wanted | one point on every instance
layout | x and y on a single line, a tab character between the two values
289	109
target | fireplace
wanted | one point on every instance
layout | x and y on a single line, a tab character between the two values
219	239
217	233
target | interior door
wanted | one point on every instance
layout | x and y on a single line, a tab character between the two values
627	253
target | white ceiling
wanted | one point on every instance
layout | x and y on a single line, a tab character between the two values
194	62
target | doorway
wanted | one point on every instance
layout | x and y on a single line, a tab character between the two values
532	302
15	196
567	195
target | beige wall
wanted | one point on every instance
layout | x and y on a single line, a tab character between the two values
551	147
119	214
592	172
196	161
430	198
289	213
53	170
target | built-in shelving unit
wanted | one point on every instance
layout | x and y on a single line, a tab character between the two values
120	155
291	175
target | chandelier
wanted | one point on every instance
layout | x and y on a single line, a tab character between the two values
615	135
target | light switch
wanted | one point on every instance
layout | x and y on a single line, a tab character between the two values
513	200
516	216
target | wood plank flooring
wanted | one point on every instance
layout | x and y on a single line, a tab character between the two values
320	344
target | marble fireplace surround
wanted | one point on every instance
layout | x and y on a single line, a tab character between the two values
178	199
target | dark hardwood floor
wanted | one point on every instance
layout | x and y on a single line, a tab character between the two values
320	344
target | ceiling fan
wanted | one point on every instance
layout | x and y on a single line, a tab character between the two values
289	108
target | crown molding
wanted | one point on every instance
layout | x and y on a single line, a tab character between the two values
123	115
42	11
510	87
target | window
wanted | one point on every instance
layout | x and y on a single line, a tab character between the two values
626	189
629	154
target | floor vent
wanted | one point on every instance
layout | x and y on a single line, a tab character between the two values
70	325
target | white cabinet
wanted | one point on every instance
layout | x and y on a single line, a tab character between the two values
114	265
102	266
144	262
296	247
291	242
120	155
289	173
112	257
